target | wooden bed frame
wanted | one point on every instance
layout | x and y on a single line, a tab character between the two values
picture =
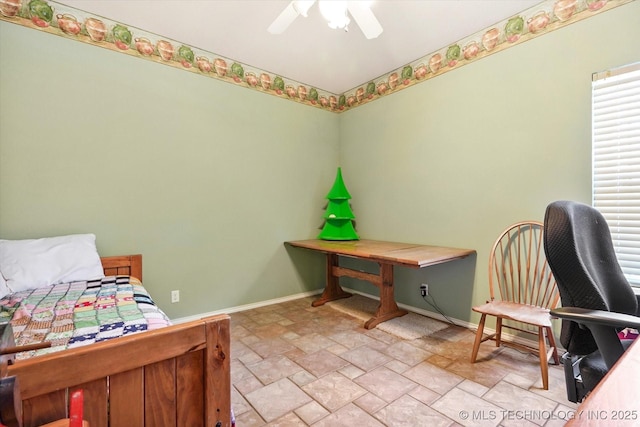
173	376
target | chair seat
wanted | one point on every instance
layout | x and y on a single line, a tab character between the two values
533	315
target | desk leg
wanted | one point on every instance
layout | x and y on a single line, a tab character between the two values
332	289
388	309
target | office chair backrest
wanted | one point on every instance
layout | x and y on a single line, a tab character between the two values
580	252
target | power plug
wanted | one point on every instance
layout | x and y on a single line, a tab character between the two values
424	289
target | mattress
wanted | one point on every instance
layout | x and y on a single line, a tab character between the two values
72	315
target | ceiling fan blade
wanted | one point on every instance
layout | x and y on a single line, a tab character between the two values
365	19
286	17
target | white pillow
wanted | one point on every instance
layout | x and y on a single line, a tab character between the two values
35	263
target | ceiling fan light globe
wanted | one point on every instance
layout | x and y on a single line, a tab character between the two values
339	23
335	12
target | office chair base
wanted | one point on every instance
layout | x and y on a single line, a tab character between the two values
575	388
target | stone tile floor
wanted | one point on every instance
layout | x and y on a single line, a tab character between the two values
295	365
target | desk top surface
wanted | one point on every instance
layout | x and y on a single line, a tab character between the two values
406	254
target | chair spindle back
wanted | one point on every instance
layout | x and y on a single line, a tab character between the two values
518	269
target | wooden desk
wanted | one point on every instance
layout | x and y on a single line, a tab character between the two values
616	399
386	254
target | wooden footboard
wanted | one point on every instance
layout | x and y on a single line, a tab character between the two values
173	376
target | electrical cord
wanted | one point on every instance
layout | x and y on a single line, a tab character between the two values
433	304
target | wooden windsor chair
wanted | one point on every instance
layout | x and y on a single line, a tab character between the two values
522	290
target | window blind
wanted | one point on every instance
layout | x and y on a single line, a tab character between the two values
616	161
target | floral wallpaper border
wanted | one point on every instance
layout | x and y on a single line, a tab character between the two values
62	20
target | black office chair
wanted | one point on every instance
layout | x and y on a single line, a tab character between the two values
597	300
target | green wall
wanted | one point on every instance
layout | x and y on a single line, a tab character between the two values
207	180
456	159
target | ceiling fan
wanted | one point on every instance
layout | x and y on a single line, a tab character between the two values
335	12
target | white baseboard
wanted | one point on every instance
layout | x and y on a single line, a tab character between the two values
247	306
427	313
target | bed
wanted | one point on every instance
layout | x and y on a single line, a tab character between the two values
177	375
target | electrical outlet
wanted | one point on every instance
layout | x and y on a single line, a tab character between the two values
175	296
424	289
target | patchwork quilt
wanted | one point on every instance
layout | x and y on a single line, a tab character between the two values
75	314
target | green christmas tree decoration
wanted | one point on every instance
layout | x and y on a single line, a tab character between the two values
339	208
338	218
339	190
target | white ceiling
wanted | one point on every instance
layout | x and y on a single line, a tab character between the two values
309	51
